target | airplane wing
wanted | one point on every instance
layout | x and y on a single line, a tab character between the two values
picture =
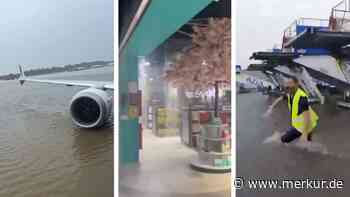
96	84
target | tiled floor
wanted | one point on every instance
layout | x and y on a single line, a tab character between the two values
164	171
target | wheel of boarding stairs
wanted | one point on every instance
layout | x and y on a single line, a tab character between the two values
345	103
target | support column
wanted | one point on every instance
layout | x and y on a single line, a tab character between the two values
128	125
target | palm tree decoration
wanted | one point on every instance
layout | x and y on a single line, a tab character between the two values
207	63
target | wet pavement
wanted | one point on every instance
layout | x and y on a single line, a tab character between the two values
164	171
259	160
42	153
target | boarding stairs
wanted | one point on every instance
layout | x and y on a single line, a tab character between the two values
308	83
316	51
320	43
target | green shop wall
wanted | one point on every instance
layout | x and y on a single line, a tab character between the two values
161	19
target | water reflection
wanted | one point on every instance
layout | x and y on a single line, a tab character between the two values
42	152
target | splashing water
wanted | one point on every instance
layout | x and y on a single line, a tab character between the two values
314	147
268	112
274	138
272	106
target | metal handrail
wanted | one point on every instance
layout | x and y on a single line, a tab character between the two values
291	30
343	2
302	20
342	9
337	5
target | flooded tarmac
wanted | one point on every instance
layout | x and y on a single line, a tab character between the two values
42	153
260	155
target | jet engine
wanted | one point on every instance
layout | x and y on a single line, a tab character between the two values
91	108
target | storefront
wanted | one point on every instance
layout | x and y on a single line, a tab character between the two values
154	22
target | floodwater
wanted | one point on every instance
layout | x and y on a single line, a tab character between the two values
42	154
261	156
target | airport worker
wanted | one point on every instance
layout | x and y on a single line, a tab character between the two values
303	117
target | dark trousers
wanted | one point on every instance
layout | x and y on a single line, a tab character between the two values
293	134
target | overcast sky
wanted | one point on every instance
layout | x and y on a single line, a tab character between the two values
41	33
260	23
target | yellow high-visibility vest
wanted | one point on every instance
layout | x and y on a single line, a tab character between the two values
298	121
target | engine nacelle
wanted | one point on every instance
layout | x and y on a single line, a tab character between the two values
91	108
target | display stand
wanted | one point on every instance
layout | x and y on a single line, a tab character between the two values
214	148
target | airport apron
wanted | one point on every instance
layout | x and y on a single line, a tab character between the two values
298	121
